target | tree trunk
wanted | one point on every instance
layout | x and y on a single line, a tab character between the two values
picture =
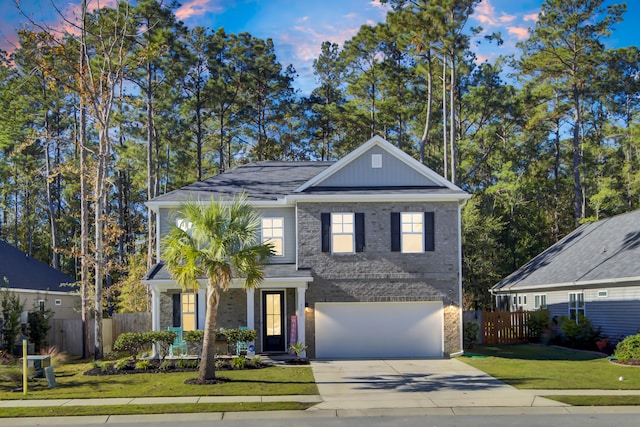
151	184
208	362
84	199
444	115
427	121
452	127
577	187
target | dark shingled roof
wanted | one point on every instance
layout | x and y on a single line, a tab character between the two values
605	249
25	272
260	181
159	272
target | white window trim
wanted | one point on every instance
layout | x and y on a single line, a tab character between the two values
603	293
538	305
334	233
280	237
403	233
584	304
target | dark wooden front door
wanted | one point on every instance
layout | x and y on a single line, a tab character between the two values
273	337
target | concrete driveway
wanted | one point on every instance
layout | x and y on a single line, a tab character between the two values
424	383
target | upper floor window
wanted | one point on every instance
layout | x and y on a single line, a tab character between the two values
342	232
183	225
273	232
576	305
412	232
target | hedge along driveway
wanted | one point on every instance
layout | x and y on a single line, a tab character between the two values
72	384
531	366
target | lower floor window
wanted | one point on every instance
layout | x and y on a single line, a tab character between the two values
576	305
188	302
540	301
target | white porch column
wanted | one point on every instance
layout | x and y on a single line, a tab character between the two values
202	307
155	308
300	307
251	317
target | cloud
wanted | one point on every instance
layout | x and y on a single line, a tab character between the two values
303	19
531	17
521	33
378	5
197	8
307	41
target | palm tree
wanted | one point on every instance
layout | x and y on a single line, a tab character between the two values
219	243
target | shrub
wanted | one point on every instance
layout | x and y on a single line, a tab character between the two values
11	309
221	365
162	340
239	362
192	363
131	342
143	364
298	348
628	349
581	334
470	333
38	326
537	322
182	364
195	339
166	365
243	335
256	361
121	365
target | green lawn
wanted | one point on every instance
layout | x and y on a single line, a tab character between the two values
531	366
72	384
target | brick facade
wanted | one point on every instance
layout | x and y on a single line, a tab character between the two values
377	274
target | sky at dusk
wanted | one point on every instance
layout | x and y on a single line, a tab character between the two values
298	27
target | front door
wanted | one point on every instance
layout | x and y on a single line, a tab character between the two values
273	320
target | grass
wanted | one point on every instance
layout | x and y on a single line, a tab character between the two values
72	384
183	408
597	400
529	366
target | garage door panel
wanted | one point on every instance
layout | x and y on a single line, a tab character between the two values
376	330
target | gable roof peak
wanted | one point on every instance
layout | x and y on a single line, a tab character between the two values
379	141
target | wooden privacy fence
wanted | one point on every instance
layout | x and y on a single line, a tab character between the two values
66	334
504	327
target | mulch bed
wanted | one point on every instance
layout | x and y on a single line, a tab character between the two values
297	362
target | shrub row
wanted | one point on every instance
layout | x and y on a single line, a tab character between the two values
133	342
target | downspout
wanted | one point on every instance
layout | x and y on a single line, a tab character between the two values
460	206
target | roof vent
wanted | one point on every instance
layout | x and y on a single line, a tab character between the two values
376	161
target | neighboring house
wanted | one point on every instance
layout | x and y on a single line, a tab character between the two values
594	271
37	284
367	258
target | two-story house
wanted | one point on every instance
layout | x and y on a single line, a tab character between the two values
367	258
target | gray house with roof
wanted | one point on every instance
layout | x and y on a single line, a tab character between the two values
593	271
37	284
367	259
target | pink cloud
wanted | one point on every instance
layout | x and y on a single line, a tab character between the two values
307	45
531	17
504	18
521	33
485	13
378	5
197	8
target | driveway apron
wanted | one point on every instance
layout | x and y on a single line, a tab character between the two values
423	383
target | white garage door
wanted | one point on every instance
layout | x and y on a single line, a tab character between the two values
378	329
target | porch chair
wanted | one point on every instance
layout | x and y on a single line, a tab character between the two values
179	346
242	346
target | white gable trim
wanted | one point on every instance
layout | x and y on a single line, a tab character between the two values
385	145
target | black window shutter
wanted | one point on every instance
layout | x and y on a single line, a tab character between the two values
325	218
195	305
395	231
176	310
359	232
429	232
